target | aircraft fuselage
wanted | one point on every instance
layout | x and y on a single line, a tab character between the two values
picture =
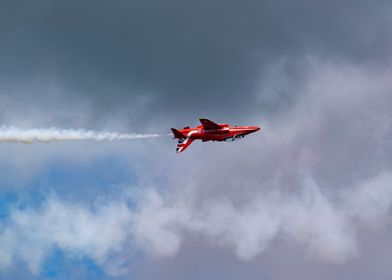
210	131
223	134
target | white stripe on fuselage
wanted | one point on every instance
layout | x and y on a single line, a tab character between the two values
235	128
230	129
188	136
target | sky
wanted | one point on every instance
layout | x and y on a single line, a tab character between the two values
308	197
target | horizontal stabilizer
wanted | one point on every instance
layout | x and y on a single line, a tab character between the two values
183	144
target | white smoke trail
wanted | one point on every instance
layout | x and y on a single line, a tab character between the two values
12	134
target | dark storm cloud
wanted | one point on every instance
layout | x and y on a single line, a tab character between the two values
178	58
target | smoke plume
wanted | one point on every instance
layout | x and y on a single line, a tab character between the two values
19	135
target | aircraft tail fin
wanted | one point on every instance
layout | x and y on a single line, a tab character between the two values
178	134
207	124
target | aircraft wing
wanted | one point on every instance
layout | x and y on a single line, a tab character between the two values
207	124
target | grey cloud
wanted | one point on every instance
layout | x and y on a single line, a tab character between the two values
309	217
158	226
315	74
190	58
335	136
316	180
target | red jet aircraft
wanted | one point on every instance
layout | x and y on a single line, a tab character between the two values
210	131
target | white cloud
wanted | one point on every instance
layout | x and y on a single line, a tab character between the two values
30	234
308	217
158	224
